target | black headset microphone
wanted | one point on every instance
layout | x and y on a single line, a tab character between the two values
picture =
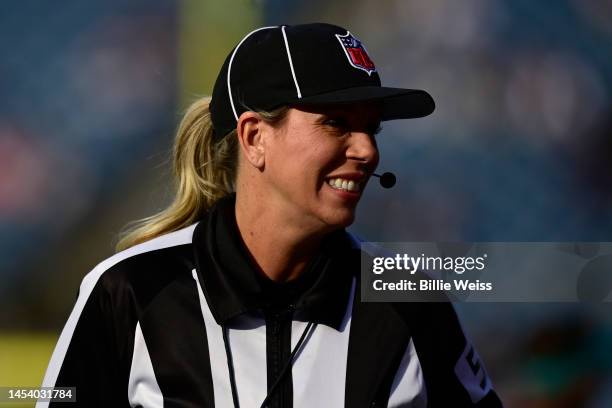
387	180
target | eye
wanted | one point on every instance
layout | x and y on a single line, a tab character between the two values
337	123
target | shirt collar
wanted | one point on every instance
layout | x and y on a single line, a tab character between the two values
231	284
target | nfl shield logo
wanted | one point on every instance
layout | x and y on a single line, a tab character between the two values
356	53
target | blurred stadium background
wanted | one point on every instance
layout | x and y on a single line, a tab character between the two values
519	149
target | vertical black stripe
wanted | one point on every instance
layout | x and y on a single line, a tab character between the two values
175	334
93	363
166	298
278	353
377	343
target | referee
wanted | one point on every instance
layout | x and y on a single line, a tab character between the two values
245	291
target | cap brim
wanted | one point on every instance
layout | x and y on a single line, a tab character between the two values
396	103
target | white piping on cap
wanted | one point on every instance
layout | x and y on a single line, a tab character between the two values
297	87
229	68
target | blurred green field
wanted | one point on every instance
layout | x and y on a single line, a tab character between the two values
23	360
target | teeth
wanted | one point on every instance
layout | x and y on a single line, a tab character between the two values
343	184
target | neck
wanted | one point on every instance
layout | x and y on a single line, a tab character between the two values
280	248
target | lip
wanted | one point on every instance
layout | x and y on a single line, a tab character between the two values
356	176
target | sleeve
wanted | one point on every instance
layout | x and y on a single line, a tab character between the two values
87	355
454	373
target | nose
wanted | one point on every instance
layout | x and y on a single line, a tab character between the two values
362	147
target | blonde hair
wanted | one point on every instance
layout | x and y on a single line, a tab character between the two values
204	171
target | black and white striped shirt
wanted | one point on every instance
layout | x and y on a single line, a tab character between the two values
147	330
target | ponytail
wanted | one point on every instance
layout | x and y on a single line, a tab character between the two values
204	172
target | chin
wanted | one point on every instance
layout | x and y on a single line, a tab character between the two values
340	218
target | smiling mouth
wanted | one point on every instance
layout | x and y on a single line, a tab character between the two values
344	184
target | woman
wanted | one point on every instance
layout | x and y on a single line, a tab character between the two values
244	292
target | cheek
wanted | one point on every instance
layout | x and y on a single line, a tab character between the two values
316	163
304	159
298	165
293	170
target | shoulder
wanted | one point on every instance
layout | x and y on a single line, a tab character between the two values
142	262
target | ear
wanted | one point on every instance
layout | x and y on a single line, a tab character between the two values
250	136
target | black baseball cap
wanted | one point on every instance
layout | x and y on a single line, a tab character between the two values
306	64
